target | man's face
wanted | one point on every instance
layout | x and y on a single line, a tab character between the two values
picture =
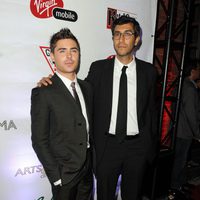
124	45
66	56
196	73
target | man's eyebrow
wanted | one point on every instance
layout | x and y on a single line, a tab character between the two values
125	30
74	48
62	48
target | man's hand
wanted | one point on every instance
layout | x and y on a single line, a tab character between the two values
45	81
197	139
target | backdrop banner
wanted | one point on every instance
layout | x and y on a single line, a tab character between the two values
26	27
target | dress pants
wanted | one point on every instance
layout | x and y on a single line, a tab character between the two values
80	188
178	177
126	159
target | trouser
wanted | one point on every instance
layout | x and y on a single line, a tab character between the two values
126	159
178	177
80	188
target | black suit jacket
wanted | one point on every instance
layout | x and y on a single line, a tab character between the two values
59	135
101	78
188	121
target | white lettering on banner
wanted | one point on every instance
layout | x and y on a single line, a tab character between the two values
8	125
31	170
44	6
65	15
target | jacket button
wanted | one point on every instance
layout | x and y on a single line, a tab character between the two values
81	144
79	124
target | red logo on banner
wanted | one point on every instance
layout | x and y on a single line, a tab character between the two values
46	52
43	8
113	13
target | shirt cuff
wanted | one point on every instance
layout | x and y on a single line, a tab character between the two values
58	182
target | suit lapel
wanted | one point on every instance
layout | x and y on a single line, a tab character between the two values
60	86
140	87
108	81
86	98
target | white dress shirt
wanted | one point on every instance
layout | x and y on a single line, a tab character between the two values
132	121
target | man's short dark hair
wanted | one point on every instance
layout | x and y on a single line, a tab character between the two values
191	65
64	33
125	20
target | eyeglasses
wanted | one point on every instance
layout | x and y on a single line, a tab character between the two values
127	35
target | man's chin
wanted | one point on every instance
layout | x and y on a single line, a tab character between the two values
120	54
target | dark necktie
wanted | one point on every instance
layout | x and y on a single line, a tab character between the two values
121	122
76	95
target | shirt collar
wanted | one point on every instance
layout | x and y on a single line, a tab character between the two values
131	66
194	83
65	80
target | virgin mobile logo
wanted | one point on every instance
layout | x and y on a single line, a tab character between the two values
43	8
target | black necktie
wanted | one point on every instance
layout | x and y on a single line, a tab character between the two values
121	122
76	95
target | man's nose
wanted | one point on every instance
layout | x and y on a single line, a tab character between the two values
121	38
69	54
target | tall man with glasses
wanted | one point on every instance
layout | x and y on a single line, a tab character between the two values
124	119
123	150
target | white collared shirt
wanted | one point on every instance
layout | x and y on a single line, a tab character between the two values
132	121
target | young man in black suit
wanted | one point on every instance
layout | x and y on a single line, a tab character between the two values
61	121
125	128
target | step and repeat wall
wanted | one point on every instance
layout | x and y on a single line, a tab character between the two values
26	27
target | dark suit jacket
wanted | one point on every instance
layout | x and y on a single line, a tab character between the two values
101	78
188	121
59	135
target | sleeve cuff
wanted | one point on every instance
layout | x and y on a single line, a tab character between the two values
58	182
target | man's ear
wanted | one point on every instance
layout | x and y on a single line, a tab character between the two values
52	58
137	40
